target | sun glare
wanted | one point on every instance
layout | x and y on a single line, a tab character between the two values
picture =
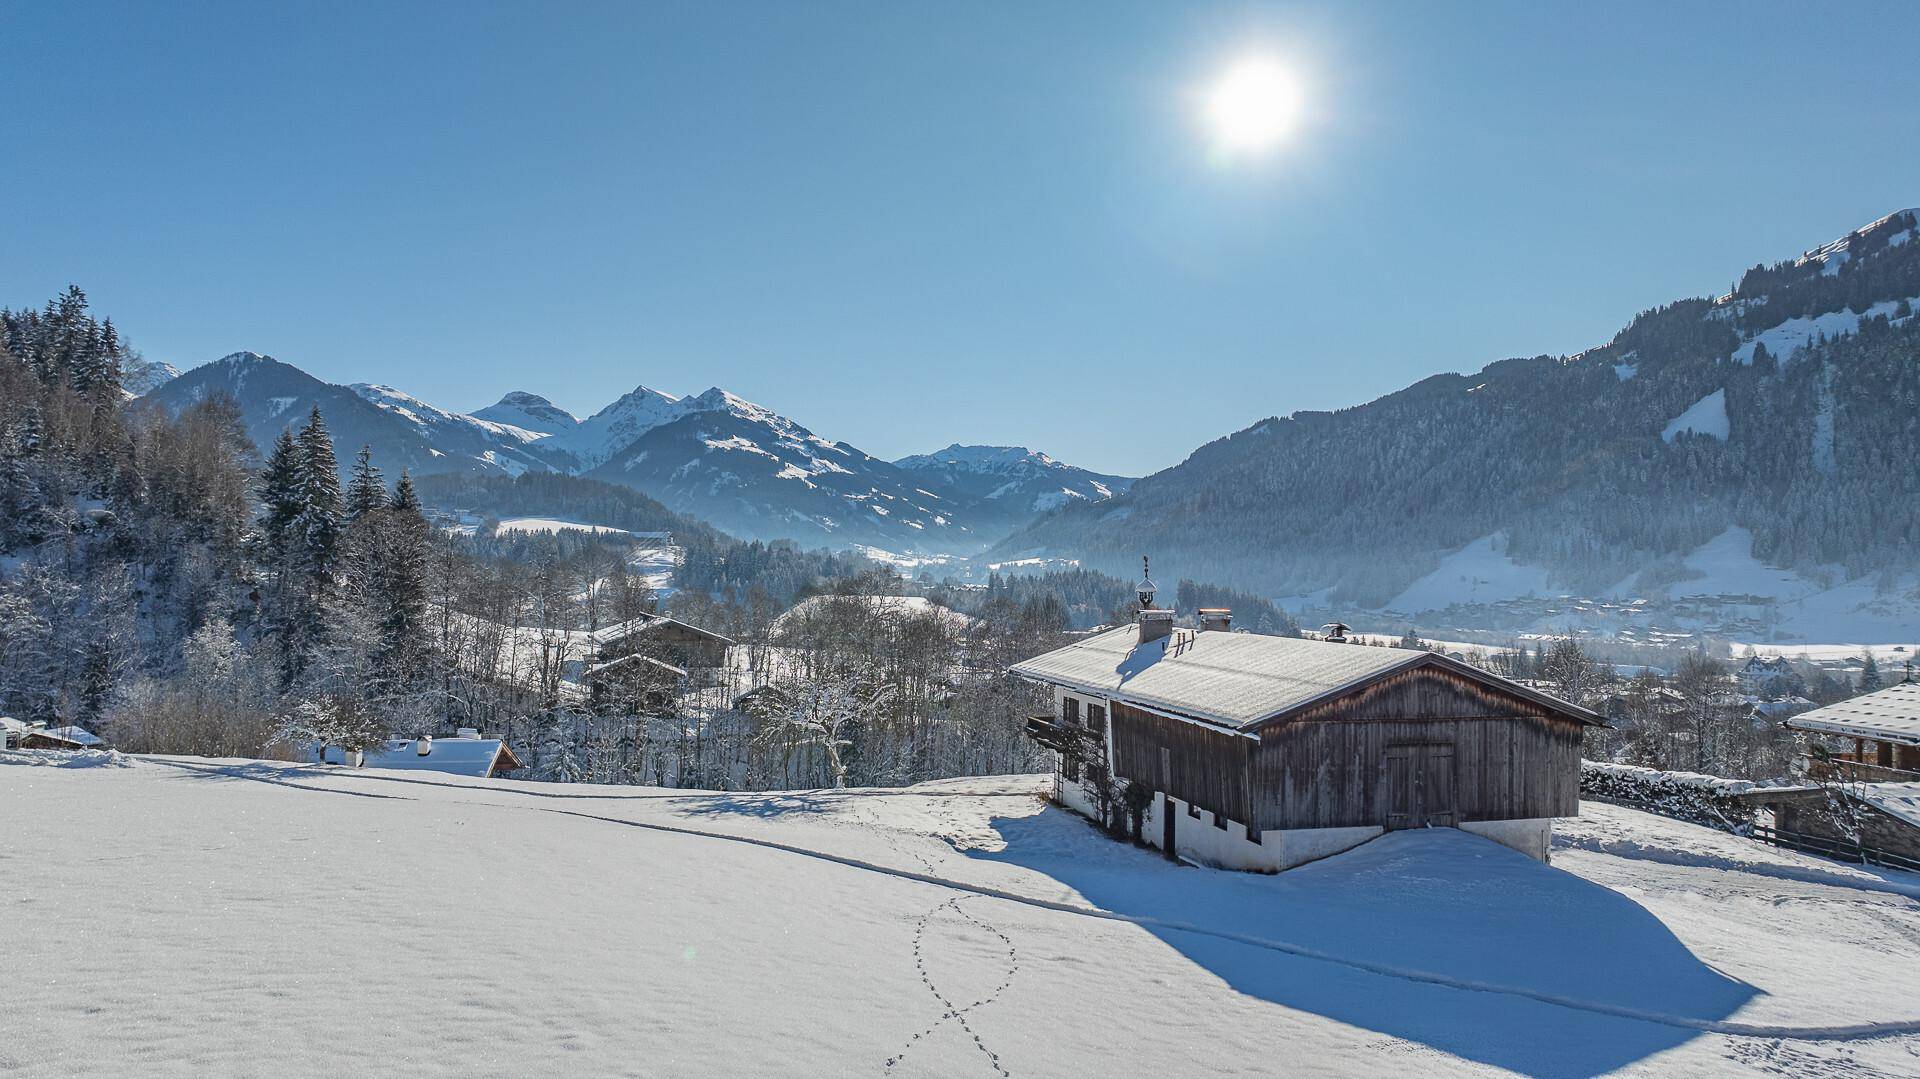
1251	107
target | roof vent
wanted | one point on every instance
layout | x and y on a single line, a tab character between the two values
1215	619
1336	632
423	745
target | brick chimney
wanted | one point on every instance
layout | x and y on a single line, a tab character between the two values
1215	619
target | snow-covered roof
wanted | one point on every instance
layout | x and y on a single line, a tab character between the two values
1238	680
78	736
620	631
458	756
1888	715
633	657
1900	800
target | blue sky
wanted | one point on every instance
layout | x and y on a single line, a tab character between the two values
908	224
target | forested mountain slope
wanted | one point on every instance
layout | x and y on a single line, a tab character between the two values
1784	412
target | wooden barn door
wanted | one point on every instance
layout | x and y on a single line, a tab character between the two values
1420	786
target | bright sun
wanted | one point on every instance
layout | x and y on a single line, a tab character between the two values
1251	107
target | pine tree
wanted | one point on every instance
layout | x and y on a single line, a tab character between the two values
401	581
406	499
279	493
316	532
366	491
1870	675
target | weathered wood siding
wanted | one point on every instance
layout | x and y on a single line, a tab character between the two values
1210	769
1327	768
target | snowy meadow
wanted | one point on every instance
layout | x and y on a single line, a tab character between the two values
248	917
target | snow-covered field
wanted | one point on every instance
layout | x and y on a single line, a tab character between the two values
191	917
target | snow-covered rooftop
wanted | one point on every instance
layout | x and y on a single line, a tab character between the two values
1900	800
456	756
1234	679
1888	715
620	631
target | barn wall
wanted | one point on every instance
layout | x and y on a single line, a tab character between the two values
1207	768
1327	768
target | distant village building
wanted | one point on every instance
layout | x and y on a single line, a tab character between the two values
1266	752
21	735
466	754
644	662
1769	677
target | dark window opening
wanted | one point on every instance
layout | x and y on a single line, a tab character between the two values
1070	717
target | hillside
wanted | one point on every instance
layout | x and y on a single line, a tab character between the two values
246	916
1770	429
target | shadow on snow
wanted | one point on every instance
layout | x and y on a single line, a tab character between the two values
1439	902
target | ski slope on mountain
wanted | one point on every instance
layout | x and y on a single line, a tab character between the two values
219	917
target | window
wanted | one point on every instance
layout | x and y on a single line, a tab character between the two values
1097	721
1070	717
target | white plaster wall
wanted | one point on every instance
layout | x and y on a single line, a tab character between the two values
1532	838
1200	839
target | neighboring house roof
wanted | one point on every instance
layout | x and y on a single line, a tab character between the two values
74	736
634	657
1241	680
1888	715
457	756
1901	800
620	631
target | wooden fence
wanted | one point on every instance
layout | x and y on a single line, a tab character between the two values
1839	850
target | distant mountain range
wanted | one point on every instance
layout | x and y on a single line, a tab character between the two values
1747	465
739	466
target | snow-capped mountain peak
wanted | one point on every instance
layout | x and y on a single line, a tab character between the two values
1019	480
140	376
529	411
990	459
605	433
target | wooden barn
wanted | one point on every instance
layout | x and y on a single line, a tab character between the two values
1266	752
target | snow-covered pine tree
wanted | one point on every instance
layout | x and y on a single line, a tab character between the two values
1870	679
279	494
401	583
366	490
316	532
